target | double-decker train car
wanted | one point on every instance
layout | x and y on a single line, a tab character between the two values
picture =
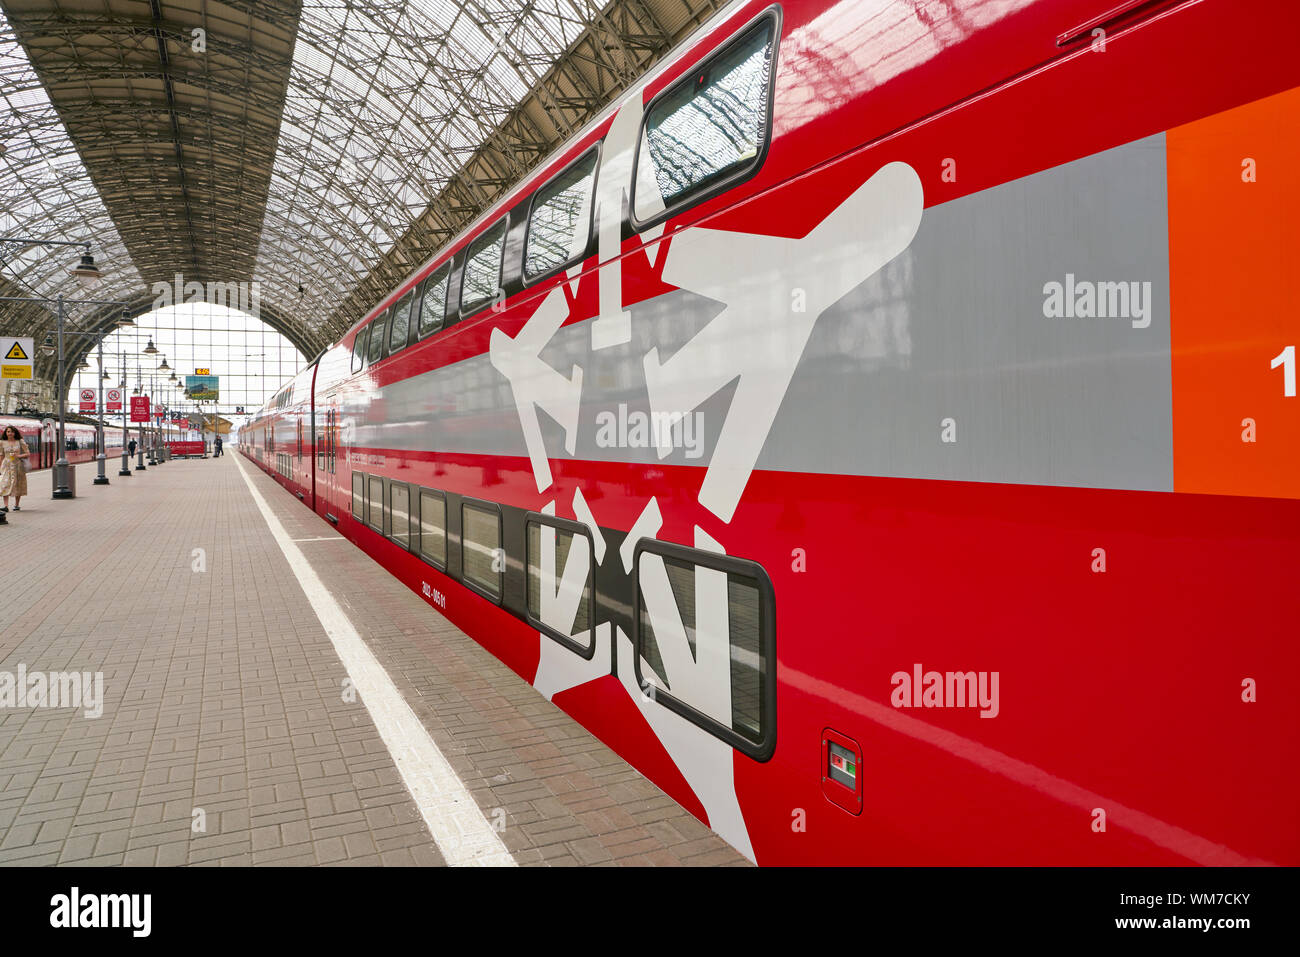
279	436
879	426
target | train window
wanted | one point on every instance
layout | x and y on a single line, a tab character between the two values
375	351
375	516
433	304
401	323
433	527
560	222
561	584
359	349
482	556
704	640
399	508
481	277
710	128
359	496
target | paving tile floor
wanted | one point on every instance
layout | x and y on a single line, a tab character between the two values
225	738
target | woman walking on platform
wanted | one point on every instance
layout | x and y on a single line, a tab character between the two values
13	468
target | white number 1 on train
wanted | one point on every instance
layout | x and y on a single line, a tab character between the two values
1286	359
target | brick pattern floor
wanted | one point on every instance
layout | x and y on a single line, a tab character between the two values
223	695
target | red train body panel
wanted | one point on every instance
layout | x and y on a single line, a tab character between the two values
919	502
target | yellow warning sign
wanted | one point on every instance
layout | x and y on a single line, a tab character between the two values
17	361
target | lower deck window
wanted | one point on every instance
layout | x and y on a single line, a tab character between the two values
399	508
560	589
705	641
433	527
359	496
481	548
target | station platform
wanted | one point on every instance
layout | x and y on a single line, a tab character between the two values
265	703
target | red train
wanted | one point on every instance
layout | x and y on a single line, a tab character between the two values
879	427
80	438
42	442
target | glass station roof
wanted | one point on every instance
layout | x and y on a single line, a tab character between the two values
320	148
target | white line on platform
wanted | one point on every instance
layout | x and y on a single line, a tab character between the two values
454	819
327	538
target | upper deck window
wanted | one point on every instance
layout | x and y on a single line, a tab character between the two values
560	223
375	351
710	127
434	303
359	349
482	277
401	324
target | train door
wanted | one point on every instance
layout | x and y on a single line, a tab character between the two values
312	450
329	459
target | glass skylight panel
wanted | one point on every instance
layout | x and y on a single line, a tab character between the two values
385	105
45	191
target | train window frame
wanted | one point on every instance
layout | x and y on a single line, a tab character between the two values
409	301
482	505
359	343
467	309
718	183
390	490
592	152
374	355
371	479
577	529
359	496
440	564
432	280
765	747
417	308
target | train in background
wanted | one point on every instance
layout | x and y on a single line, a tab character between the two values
41	441
879	427
80	438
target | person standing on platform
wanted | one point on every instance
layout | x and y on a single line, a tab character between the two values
130	447
217	445
13	467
